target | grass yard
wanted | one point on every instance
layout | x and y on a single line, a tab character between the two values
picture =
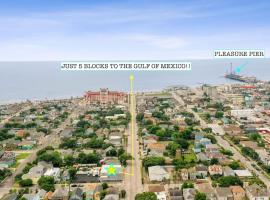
22	156
190	156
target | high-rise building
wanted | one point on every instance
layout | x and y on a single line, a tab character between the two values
104	96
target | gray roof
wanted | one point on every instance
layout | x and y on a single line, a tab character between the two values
111	197
257	191
77	194
60	192
223	191
29	196
11	196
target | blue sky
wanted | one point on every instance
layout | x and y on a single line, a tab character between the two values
151	29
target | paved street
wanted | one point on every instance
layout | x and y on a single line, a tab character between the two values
132	181
225	144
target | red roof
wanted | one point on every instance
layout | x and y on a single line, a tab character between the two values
248	86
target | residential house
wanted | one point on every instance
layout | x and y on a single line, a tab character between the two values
175	194
255	192
60	194
224	193
92	191
184	174
206	188
86	177
250	144
243	173
159	190
38	196
198	172
21	133
264	156
156	149
65	175
227	171
105	177
89	131
11	196
158	173
215	170
238	192
111	197
26	145
54	172
115	138
37	171
233	130
66	133
201	143
77	194
202	157
7	159
31	197
212	148
189	193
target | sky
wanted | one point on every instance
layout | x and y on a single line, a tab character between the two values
53	30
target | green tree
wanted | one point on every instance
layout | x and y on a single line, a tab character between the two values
140	117
46	183
146	196
172	147
123	194
112	152
88	158
247	151
124	157
68	143
72	172
200	196
214	161
227	181
183	143
187	185
219	114
26	183
105	186
95	143
212	138
234	165
152	161
69	160
54	157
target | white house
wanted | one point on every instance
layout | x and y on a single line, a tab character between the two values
158	173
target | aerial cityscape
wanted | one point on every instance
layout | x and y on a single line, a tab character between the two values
204	142
134	100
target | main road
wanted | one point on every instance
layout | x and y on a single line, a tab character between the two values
225	144
133	179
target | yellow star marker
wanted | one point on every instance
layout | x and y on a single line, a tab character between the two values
111	170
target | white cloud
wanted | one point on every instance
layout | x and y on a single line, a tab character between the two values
109	33
167	42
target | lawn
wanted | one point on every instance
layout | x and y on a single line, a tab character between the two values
22	156
190	156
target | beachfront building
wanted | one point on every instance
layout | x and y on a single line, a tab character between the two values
104	97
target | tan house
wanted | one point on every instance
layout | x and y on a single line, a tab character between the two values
215	170
184	174
255	192
60	194
238	192
224	193
156	149
232	130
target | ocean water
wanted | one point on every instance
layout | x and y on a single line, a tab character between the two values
20	81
